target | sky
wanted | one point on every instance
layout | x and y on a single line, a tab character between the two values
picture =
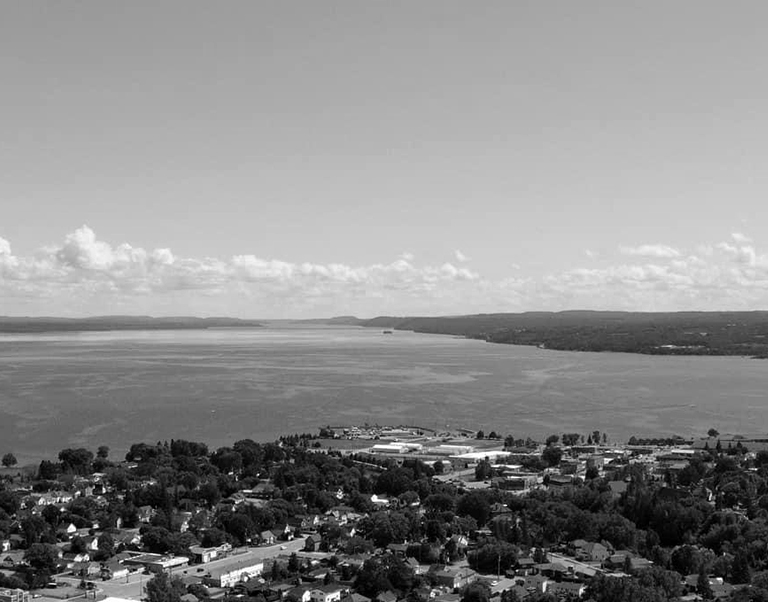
301	159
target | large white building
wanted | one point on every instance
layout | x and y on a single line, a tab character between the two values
229	575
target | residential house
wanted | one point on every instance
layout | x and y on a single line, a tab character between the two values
302	593
327	593
415	566
313	543
113	570
267	538
283	532
86	569
67	531
589	551
453	577
145	513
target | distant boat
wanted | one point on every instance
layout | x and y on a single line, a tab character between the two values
387	332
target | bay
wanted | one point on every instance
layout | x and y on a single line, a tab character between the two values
116	388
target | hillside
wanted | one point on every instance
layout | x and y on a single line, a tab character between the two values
102	323
675	333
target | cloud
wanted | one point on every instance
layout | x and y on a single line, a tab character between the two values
741	238
460	256
657	251
85	275
407	256
97	274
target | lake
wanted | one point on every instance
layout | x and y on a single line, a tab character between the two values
116	388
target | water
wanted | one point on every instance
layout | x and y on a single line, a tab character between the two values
217	386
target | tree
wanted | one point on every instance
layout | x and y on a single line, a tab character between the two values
552	439
476	592
48	470
483	470
570	439
162	588
703	588
480	434
77	461
9	460
476	505
713	432
102	452
42	557
552	455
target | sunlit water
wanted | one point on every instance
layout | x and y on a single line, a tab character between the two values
217	386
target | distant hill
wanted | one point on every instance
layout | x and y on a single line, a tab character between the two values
673	333
101	323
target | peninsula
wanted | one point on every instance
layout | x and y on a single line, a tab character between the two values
662	333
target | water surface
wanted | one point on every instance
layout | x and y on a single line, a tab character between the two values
116	388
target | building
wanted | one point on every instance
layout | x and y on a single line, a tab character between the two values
454	578
326	593
203	555
156	562
229	575
14	595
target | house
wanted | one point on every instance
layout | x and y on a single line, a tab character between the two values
327	593
113	570
589	551
267	538
525	566
313	543
301	593
66	531
283	532
398	549
5	545
453	577
417	568
145	513
86	569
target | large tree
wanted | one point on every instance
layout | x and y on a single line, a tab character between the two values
162	588
9	460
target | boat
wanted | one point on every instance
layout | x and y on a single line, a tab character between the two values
387	332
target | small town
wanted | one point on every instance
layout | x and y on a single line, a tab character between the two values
381	514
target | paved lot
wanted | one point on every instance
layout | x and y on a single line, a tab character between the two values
131	587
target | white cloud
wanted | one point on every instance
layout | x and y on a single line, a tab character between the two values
460	256
741	238
83	274
407	256
656	251
102	275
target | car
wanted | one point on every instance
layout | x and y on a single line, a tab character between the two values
282	547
